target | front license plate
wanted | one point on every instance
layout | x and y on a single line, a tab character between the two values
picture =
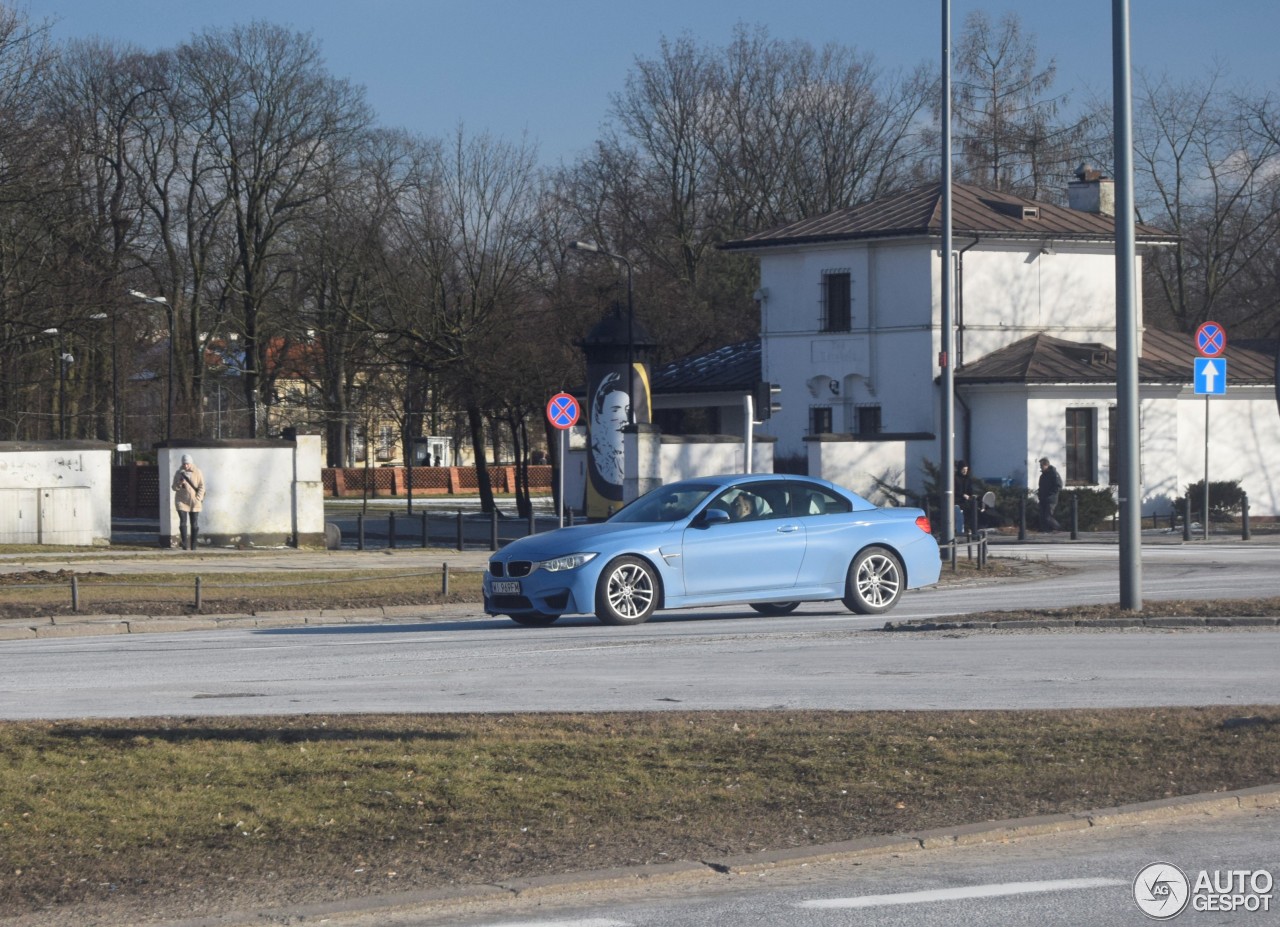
508	587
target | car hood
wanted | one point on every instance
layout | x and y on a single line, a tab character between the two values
581	538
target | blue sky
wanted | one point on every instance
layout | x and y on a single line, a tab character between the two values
546	68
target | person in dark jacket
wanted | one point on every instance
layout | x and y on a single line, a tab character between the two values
1050	486
964	496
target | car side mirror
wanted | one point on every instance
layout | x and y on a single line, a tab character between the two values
714	517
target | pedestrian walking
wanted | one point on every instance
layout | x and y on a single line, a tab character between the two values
1050	486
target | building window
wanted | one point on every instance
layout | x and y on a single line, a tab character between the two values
868	421
820	420
837	302
1082	448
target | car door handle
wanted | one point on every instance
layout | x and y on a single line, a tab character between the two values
788	529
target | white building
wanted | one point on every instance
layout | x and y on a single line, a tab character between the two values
851	331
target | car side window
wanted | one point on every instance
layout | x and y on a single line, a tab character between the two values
749	503
817	501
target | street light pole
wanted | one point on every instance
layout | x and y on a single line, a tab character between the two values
592	248
62	381
168	408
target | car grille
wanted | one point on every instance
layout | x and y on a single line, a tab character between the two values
516	603
515	568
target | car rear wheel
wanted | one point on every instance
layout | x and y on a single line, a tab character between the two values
775	608
534	620
875	582
627	592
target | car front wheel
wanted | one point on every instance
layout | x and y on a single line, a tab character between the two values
627	592
875	582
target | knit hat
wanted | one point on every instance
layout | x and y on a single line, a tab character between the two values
186	459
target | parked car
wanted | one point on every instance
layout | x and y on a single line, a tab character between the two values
770	541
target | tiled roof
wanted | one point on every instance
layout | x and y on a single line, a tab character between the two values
733	367
1167	357
974	211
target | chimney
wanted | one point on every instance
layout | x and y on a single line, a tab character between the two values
1092	192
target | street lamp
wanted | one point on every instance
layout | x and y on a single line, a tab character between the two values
168	408
64	359
592	248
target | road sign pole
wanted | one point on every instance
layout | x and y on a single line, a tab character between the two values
1206	466
560	507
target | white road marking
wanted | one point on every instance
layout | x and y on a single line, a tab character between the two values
961	894
584	922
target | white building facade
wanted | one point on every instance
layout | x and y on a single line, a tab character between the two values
851	331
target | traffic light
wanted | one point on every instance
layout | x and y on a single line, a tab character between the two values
765	399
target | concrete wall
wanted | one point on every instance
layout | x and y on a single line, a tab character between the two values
257	493
55	492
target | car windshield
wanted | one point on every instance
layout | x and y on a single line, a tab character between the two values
666	503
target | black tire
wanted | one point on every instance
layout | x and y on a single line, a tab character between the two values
535	620
775	608
627	592
875	583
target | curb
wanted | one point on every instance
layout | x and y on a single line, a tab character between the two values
926	624
1259	798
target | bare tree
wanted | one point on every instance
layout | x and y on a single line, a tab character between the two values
277	118
1207	169
1007	119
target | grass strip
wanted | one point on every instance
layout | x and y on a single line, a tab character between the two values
203	813
24	595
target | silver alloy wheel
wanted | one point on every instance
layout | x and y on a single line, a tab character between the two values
628	592
875	582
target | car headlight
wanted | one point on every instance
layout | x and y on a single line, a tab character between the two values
567	562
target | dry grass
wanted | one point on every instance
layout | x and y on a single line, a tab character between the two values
200	814
43	592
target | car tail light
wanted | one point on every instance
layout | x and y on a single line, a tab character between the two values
922	522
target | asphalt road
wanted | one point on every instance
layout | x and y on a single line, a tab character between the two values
820	657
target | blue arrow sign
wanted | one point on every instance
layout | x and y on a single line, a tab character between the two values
1210	376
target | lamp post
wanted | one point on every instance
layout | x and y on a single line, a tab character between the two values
63	359
168	406
592	248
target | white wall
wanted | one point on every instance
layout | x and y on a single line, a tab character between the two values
1244	441
256	493
65	486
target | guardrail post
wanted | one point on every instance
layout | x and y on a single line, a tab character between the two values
569	517
360	531
493	529
75	593
199	594
444	579
391	530
1075	516
533	522
1245	533
1186	518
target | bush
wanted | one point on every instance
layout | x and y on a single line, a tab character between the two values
1226	500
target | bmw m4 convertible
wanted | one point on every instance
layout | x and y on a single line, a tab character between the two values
770	541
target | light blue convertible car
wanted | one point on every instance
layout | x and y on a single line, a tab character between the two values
770	541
